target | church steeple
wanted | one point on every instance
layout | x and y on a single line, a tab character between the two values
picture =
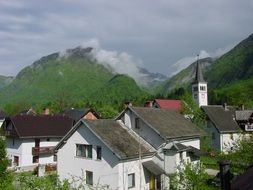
199	86
198	75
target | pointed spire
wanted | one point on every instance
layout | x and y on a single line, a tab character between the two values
199	75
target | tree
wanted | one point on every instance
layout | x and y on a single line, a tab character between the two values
5	176
190	176
192	109
242	155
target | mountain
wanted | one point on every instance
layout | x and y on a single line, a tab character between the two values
75	76
235	65
117	87
185	77
4	81
230	77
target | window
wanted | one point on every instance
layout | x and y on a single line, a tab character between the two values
55	158
13	142
35	159
181	156
89	177
213	136
99	153
195	96
137	123
84	150
131	180
203	88
195	88
48	139
37	142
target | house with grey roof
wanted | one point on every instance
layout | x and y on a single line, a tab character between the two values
245	119
222	127
137	150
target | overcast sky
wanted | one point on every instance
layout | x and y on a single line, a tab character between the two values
162	35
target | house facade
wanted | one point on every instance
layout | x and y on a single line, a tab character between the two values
130	152
223	130
31	139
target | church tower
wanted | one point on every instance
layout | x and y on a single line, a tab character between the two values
199	87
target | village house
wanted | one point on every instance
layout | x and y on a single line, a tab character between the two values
31	139
137	150
175	105
222	127
244	119
77	114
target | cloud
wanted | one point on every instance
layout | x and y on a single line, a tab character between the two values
157	33
186	61
118	62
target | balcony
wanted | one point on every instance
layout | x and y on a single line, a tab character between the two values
249	127
43	150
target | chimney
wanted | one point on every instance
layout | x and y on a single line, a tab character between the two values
46	111
149	104
128	103
242	106
225	175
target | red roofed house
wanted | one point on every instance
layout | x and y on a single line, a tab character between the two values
174	105
31	139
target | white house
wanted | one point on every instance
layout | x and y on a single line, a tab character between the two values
31	139
222	127
137	150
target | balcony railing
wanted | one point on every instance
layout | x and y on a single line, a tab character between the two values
43	150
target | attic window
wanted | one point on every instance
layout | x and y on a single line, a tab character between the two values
137	123
83	150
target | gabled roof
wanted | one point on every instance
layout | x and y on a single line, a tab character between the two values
30	126
178	147
169	104
3	115
167	123
117	138
77	114
243	115
222	118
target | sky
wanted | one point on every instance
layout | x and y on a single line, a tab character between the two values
163	35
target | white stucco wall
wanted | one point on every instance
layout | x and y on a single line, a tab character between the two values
200	96
141	175
105	171
228	141
23	149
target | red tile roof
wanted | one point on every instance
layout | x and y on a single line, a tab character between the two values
40	126
169	104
